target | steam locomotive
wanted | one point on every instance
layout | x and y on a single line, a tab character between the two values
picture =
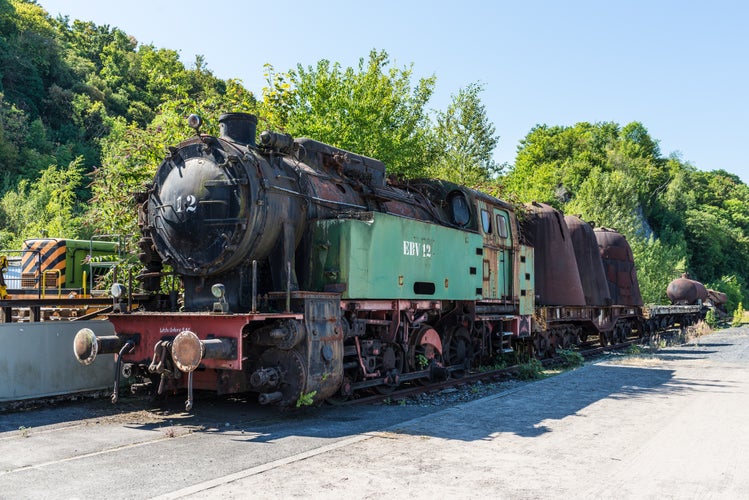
308	274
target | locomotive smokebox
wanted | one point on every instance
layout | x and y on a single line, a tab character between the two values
238	127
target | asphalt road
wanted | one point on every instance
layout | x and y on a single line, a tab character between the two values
673	425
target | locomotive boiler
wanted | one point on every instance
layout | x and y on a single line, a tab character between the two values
308	274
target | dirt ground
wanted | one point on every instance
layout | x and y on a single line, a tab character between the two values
667	426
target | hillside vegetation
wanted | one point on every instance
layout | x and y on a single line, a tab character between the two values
86	112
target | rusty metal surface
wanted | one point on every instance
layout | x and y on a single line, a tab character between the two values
686	291
557	277
589	262
716	297
619	264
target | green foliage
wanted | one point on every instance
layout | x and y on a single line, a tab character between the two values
532	370
710	318
464	141
732	286
634	350
738	315
570	359
422	361
658	263
675	218
306	399
47	206
372	110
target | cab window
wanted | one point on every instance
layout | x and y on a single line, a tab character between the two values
502	226
486	221
459	206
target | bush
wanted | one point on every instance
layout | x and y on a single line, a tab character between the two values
570	359
532	370
738	315
710	319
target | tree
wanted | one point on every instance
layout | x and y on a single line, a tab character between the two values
464	141
372	110
48	205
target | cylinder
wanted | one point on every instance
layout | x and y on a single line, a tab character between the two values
283	334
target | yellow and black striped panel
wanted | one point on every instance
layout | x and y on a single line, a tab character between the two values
44	257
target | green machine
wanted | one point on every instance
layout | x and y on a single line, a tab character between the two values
381	256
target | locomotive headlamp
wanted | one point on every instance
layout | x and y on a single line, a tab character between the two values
218	290
117	290
194	122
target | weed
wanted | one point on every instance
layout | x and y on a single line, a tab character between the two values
738	315
570	358
422	361
305	399
531	370
402	402
634	350
710	318
498	365
25	431
697	330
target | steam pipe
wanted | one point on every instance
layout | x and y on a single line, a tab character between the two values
254	286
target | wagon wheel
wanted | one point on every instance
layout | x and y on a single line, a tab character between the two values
574	335
604	338
540	345
569	336
620	334
458	350
391	363
627	331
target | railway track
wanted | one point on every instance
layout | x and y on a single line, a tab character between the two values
469	378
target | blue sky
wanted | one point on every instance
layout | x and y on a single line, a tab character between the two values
679	67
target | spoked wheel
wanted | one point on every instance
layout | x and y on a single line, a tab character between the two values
621	332
571	337
458	350
426	350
